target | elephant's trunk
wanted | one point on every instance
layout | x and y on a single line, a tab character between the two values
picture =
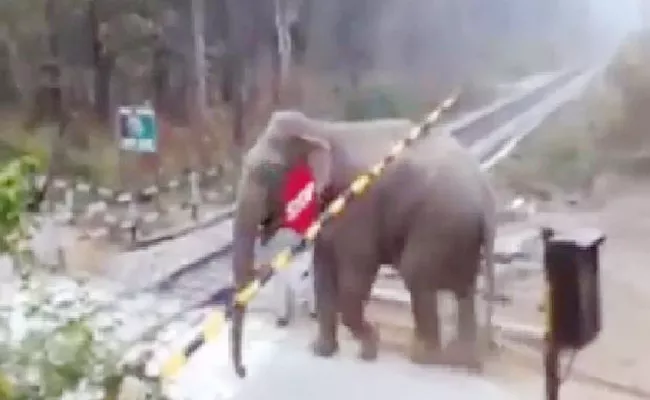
236	335
250	212
489	236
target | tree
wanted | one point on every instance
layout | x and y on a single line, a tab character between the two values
200	67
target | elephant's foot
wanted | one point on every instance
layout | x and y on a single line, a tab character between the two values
425	353
464	354
369	343
324	347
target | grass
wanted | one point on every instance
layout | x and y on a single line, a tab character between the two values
96	162
90	152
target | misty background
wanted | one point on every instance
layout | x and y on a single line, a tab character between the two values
215	69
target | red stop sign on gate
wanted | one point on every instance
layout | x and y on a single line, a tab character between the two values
299	199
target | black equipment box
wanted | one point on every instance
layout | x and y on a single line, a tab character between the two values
571	264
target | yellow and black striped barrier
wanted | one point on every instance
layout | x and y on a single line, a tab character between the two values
214	323
210	330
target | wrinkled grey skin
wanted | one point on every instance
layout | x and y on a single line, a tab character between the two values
430	215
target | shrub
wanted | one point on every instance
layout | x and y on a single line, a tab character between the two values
375	102
51	347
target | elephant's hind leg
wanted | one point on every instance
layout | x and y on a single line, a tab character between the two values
354	318
464	349
425	345
355	287
415	268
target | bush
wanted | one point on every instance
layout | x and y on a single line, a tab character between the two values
50	351
51	347
378	102
14	196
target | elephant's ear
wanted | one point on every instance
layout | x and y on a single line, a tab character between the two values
319	159
304	140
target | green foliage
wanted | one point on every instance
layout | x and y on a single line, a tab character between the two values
14	196
51	344
377	102
51	350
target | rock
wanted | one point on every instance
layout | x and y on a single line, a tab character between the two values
83	257
46	243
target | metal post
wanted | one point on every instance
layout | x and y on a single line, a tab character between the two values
69	201
551	369
133	217
195	195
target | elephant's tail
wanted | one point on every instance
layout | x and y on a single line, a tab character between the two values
238	312
490	296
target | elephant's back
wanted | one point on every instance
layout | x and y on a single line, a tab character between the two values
442	167
439	182
359	145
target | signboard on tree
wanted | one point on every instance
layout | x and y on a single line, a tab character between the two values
137	129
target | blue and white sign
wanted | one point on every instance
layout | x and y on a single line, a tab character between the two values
137	129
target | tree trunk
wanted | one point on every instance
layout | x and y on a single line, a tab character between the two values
16	76
159	77
104	63
234	76
58	152
284	50
199	120
103	74
200	67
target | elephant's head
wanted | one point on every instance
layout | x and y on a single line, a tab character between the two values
289	139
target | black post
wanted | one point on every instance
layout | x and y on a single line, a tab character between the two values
551	369
194	211
573	297
551	350
133	233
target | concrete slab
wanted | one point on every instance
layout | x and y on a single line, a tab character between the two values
281	366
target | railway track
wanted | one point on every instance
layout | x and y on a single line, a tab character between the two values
470	133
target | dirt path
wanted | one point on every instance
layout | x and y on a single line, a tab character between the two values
621	354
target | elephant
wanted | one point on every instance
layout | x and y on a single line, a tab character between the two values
431	215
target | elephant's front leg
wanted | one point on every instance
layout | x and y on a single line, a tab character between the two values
325	293
355	287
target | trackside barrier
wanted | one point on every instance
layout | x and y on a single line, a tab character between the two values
216	320
99	198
